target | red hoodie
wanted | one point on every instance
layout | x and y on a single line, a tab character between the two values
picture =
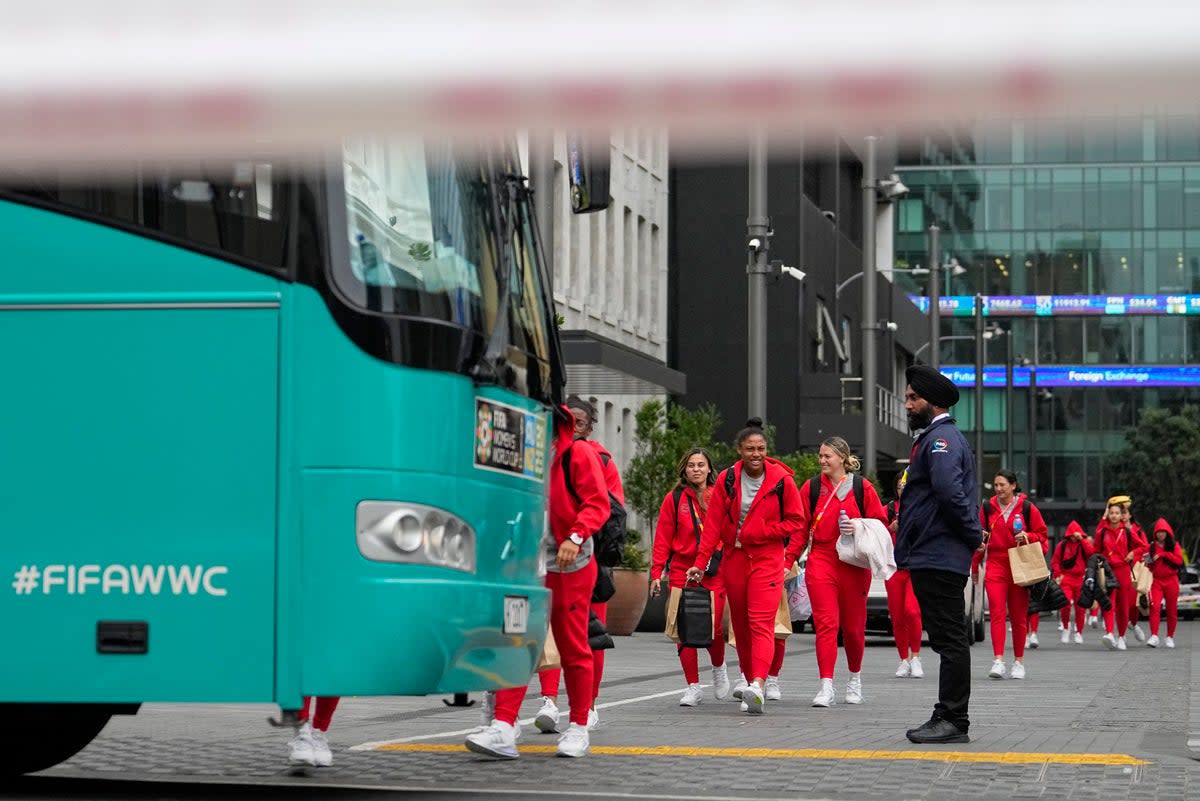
676	537
1165	564
1075	552
567	516
763	526
1116	543
612	478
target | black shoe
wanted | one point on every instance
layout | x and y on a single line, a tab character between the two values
938	731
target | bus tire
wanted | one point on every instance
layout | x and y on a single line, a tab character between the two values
39	736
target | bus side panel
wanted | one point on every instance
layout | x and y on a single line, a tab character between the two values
138	487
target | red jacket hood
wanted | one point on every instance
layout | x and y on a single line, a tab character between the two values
1074	528
1161	524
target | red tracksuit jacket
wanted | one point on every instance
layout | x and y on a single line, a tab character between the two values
1115	544
1067	550
566	515
763	524
676	537
1002	537
825	531
612	477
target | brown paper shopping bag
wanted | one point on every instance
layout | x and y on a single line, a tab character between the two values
1143	579
550	658
1028	564
783	617
672	630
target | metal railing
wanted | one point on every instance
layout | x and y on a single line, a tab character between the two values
889	406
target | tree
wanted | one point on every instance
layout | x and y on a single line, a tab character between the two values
1159	467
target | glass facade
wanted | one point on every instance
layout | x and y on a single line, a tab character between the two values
1098	206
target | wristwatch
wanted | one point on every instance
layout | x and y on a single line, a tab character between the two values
575	538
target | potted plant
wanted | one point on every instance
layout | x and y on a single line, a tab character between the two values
632	581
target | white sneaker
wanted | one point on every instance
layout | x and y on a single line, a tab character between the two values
1170	642
918	671
721	687
997	671
904	669
498	740
1066	636
824	698
741	687
771	689
1094	621
1018	670
547	717
321	750
593	719
1121	644
692	696
1032	641
1077	638
575	742
854	694
1110	642
1139	633
1153	641
300	747
753	699
1061	627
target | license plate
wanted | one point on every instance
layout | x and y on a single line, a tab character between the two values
516	614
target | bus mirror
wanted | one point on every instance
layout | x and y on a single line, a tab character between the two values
588	169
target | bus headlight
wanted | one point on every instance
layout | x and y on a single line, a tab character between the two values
391	531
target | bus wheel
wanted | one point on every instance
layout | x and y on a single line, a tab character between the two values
39	736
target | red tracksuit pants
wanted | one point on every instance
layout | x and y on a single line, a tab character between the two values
1071	588
549	678
838	592
570	601
1168	589
1123	600
905	613
753	579
326	704
1006	600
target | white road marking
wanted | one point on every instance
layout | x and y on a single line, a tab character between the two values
460	732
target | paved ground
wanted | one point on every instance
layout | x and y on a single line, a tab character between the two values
1086	724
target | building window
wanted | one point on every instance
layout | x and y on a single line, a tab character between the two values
911	214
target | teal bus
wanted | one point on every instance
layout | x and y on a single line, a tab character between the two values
270	432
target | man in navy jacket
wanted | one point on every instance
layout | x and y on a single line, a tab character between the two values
939	531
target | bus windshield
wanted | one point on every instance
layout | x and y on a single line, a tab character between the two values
424	227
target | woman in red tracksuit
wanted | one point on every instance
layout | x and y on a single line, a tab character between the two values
570	577
903	609
750	525
676	540
838	590
1165	558
547	717
999	518
1067	567
1121	546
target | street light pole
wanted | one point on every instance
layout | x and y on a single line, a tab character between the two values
1008	401
1033	409
979	367
935	295
757	267
870	318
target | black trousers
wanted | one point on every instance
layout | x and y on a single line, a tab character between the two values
943	611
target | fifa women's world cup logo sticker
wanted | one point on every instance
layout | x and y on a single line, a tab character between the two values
483	433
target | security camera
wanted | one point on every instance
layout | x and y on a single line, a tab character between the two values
754	244
829	215
892	187
891	326
792	271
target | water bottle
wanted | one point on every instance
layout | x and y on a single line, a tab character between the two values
1018	526
843	519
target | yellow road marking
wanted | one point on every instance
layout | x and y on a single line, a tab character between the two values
993	757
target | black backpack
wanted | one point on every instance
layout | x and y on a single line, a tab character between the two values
609	542
856	486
